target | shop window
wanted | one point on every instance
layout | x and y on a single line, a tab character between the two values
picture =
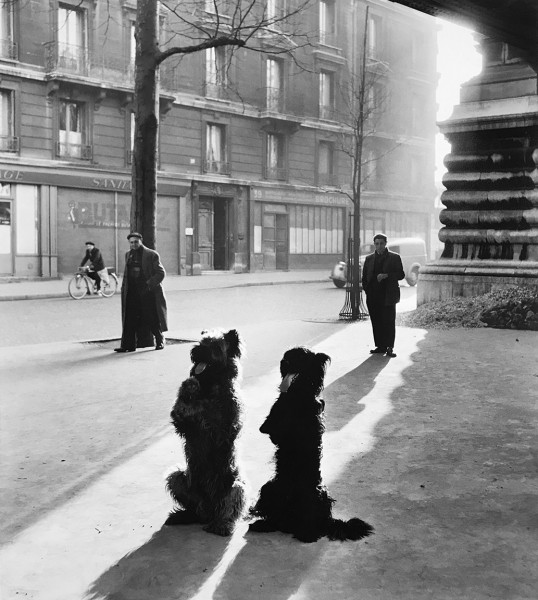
27	219
216	159
274	83
275	157
72	39
216	77
326	172
316	230
327	22
326	95
72	131
8	47
8	141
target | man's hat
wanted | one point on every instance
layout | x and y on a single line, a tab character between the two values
89	243
134	234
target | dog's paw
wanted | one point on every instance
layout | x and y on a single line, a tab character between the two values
223	529
262	526
181	517
307	537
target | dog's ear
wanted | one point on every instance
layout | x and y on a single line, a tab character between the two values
323	361
233	341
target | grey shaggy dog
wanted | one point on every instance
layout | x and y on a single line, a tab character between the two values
207	415
296	501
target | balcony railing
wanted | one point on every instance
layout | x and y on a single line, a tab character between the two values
9	49
78	151
274	99
77	60
217	166
327	112
216	90
328	38
327	179
278	173
9	144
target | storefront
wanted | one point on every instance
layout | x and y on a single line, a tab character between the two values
46	218
297	229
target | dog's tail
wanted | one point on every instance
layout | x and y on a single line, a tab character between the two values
354	529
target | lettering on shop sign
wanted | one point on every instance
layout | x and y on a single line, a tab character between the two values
87	214
112	184
10	175
284	196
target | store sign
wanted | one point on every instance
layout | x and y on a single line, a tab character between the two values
282	195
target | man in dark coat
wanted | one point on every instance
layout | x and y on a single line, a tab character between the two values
143	305
93	255
380	275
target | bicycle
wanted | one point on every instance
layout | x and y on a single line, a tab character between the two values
80	284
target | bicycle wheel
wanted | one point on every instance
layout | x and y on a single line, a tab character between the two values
78	287
110	288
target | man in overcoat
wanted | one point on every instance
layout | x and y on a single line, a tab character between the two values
380	275
143	304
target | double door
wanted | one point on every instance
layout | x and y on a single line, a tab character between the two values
6	256
215	238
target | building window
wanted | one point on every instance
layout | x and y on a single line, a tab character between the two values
327	22
8	141
326	175
374	37
275	157
72	131
326	95
8	48
129	137
216	72
274	82
316	230
216	160
72	39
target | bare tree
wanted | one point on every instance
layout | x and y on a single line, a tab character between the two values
365	98
195	26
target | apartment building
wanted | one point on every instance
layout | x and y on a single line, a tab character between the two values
252	173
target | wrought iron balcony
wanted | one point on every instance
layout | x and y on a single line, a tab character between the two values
77	151
77	60
9	49
327	112
9	144
327	179
216	90
278	173
329	38
217	166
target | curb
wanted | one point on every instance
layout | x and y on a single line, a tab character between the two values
216	287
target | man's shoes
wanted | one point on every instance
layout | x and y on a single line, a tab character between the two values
378	350
123	350
159	345
390	353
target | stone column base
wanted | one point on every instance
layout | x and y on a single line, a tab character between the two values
450	278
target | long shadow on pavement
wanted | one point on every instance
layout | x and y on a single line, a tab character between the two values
343	395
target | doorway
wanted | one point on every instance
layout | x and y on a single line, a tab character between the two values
213	234
275	241
6	256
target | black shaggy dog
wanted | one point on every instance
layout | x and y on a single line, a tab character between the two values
295	500
207	415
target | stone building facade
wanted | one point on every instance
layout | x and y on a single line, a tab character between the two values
251	174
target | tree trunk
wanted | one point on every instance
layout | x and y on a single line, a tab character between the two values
144	165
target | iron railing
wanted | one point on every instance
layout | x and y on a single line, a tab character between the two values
217	166
77	151
9	49
9	143
274	99
279	173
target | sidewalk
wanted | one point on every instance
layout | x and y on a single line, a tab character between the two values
434	448
57	288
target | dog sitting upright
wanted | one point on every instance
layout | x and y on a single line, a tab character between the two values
295	500
207	415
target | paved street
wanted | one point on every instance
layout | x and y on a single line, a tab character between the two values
433	448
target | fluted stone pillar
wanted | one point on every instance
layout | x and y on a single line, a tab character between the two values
490	219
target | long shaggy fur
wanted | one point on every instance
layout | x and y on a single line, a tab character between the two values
296	501
207	415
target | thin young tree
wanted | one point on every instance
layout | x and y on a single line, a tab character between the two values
365	97
198	25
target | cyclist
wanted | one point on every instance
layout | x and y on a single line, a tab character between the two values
99	272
